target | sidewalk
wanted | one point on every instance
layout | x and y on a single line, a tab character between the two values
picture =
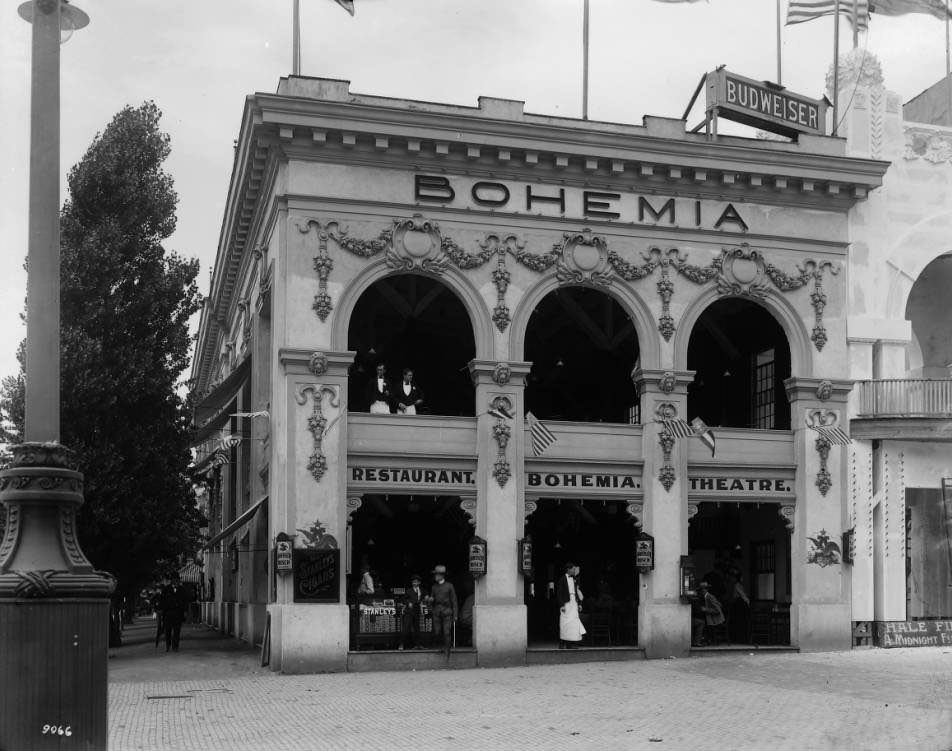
214	695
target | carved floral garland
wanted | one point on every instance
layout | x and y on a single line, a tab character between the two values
578	258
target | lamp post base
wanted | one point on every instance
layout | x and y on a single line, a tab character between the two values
54	610
53	673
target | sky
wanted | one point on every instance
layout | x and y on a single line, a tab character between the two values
199	59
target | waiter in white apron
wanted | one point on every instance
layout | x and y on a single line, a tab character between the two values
378	393
570	598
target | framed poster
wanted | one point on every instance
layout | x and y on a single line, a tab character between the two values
316	575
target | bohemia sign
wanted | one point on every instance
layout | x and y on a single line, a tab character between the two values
764	105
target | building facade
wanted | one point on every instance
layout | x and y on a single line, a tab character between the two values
604	279
900	350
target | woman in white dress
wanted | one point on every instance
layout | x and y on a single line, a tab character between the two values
570	599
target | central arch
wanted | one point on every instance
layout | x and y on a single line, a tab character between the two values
582	346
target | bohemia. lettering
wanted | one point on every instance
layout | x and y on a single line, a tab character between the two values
595	203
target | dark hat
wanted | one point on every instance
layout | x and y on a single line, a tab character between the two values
703	585
439	570
416	578
569	565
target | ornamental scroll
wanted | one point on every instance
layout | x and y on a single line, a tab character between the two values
317	423
582	257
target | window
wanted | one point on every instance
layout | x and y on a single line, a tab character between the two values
764	398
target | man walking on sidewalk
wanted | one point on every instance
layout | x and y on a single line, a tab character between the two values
445	609
172	604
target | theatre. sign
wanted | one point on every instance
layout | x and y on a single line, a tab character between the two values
766	105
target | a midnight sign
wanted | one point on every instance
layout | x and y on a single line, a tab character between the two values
316	575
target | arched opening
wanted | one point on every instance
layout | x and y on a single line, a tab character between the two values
582	346
741	357
931	316
412	321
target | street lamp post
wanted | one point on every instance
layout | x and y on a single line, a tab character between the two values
54	607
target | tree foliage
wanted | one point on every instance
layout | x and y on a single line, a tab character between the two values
126	303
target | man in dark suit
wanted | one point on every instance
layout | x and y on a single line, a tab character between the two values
445	609
410	633
172	603
379	395
409	398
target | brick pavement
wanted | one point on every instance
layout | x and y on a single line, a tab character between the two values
900	700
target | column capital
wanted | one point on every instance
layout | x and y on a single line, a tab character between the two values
832	391
499	372
659	381
315	362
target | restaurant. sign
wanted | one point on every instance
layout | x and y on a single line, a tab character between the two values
403	476
766	105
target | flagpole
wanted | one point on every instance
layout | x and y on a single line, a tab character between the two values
779	76
584	61
836	64
855	25
296	39
948	67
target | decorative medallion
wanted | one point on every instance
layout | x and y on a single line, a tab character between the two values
825	552
318	363
468	505
787	512
416	243
583	257
502	433
502	373
354	502
502	472
692	510
530	507
667	382
636	510
824	390
317	424
501	277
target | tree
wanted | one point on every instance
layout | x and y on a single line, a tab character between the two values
126	303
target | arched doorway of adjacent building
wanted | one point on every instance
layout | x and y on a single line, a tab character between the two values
412	321
599	537
582	346
742	551
927	390
741	357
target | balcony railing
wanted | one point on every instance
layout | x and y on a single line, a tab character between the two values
900	397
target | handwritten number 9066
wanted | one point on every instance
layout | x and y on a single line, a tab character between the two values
57	730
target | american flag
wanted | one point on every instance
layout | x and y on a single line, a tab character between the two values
836	436
694	429
800	11
678	427
935	8
540	435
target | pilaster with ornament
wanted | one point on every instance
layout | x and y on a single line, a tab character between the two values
502	432
317	423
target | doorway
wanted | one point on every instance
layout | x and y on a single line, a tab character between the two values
599	537
742	551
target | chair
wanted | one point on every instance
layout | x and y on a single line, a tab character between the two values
600	627
760	631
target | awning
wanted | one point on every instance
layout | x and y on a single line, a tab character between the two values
213	411
191	573
236	524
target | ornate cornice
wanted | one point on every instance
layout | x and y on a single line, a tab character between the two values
662	382
820	390
309	361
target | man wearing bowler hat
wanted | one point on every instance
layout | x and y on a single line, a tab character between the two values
410	631
445	608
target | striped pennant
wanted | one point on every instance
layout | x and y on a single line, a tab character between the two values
229	441
540	435
705	434
678	427
836	436
800	11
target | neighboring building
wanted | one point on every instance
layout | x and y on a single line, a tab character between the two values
900	352
600	276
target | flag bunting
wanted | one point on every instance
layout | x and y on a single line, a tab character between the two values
695	429
541	437
935	8
347	5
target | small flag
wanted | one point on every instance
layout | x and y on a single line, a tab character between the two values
347	5
704	433
228	442
250	415
836	436
935	8
800	11
678	427
500	412
541	436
